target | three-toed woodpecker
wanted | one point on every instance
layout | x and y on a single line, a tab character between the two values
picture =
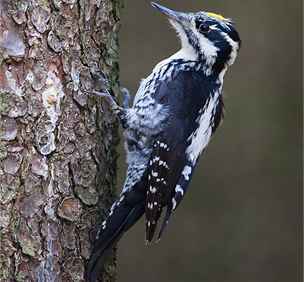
175	112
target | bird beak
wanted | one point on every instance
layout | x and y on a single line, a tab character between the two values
179	17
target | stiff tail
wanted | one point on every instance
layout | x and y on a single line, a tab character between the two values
122	216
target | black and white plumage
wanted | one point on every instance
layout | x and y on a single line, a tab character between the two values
175	112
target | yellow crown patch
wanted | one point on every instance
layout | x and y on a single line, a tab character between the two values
216	16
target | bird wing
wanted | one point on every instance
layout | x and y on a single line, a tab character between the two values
171	167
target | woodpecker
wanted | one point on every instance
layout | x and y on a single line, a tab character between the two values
176	110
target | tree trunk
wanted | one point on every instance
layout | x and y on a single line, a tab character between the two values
58	165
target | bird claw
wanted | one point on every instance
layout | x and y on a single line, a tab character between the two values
116	109
100	80
100	93
102	83
103	94
107	96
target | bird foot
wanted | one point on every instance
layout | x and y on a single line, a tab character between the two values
120	112
109	99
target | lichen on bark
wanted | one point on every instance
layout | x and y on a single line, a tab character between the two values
57	144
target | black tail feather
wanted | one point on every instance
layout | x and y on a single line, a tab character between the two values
123	217
165	221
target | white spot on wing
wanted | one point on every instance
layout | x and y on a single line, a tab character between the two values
186	172
173	204
179	189
152	189
155	159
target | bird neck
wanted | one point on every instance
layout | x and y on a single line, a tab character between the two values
209	59
187	59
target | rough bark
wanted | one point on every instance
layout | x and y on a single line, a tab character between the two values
58	165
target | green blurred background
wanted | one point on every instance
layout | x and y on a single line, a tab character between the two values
240	221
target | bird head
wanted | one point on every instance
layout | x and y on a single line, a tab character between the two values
205	36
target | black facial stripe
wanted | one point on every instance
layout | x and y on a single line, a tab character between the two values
193	41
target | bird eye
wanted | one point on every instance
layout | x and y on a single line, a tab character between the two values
202	27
